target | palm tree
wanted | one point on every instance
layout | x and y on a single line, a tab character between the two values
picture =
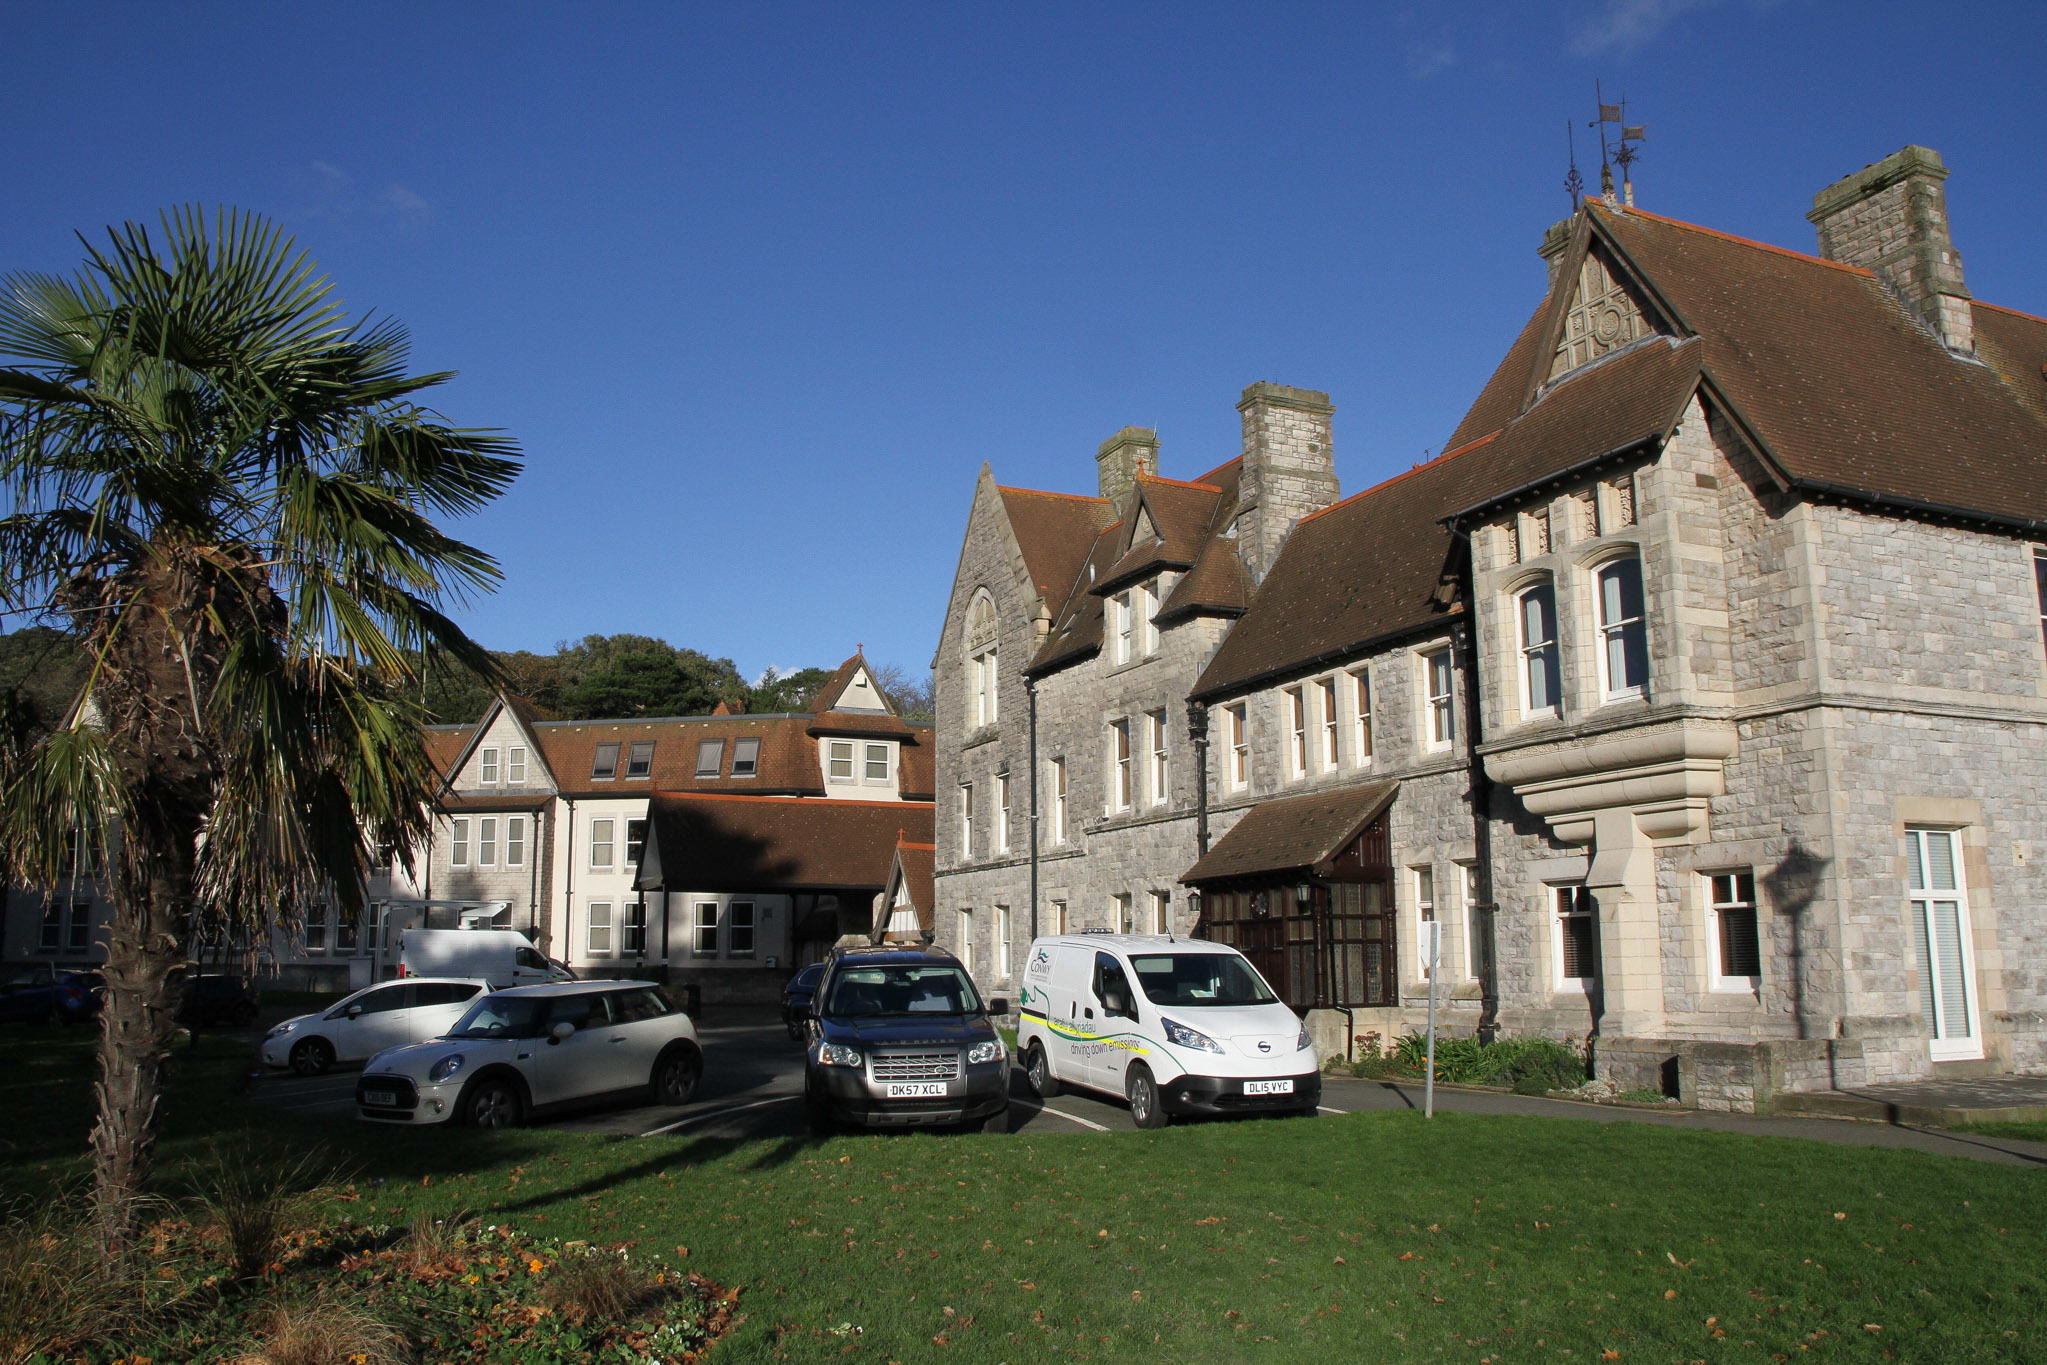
224	485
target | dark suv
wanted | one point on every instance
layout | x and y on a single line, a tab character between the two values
900	1037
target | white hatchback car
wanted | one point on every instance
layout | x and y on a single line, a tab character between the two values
389	1014
533	1049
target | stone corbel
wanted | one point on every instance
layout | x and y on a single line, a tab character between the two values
1663	774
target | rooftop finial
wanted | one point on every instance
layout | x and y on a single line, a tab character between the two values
1574	183
1620	150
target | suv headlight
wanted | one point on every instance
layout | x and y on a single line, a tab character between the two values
837	1054
990	1051
1181	1036
445	1068
1303	1043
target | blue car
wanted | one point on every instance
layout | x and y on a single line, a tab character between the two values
796	998
47	993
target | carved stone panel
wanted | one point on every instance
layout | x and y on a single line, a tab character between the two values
1603	317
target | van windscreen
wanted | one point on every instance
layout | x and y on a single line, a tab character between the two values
1200	979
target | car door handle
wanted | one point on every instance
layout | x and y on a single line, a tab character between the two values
618	1037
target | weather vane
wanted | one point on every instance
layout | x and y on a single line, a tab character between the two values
1621	149
1574	183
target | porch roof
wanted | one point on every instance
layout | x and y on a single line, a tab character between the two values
1295	832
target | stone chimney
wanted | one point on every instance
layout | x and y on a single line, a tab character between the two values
1554	244
1289	468
1892	218
1130	452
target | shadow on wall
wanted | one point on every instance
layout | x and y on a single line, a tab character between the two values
1793	885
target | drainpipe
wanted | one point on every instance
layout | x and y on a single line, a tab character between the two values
1465	637
1031	693
533	878
1197	730
568	886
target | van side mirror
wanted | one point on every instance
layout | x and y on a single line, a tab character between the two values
562	1030
998	1006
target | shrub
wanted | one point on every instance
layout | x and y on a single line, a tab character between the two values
1529	1066
255	1202
589	1285
56	1292
325	1331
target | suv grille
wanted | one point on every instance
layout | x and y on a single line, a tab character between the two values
917	1066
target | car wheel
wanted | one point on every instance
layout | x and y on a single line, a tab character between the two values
492	1103
312	1057
796	1030
1143	1094
819	1115
1038	1072
676	1074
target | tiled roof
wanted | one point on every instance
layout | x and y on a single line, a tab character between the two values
1056	532
788	757
1181	514
444	746
742	843
2015	345
1077	617
1296	832
918	863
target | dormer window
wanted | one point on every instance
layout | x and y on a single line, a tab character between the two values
604	767
746	755
639	760
710	757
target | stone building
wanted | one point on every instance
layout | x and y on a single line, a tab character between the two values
1698	692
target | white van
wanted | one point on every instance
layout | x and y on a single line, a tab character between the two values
1176	1026
503	957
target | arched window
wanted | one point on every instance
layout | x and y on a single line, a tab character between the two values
1536	613
981	654
1623	635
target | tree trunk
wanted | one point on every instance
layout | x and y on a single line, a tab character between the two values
145	971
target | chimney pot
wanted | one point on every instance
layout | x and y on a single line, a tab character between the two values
1129	453
1891	218
1289	468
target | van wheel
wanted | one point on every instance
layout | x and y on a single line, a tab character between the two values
1038	1072
1143	1093
676	1074
312	1057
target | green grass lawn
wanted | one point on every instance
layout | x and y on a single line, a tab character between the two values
2032	1131
1361	1237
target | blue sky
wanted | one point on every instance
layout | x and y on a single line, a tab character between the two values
759	287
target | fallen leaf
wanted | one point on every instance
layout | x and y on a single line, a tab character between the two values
1670	1293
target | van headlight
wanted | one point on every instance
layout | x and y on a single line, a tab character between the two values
1303	1043
838	1054
446	1068
1181	1036
990	1051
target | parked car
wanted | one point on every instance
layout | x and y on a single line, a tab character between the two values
503	957
537	1049
796	998
1173	1026
899	1036
386	1015
46	993
219	1000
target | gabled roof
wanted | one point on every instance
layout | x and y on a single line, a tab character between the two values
913	872
1055	532
1295	833
702	842
1179	516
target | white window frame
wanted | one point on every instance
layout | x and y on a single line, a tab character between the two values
1294	701
2040	586
632	927
487	767
515	841
1614	632
967	939
515	766
597	929
1361	717
1538	653
838	751
1331	723
1123	624
1161	759
966	820
1003	943
1237	730
316	932
1002	812
1148	631
1422	878
1579	903
1717	900
458	841
1119	912
632	859
603	835
1120	775
487	841
698	928
1057	914
1059	794
1923	902
1467	898
78	927
872	755
742	917
1439	715
1161	912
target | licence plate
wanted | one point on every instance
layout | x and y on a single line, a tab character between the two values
916	1090
1268	1087
383	1097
